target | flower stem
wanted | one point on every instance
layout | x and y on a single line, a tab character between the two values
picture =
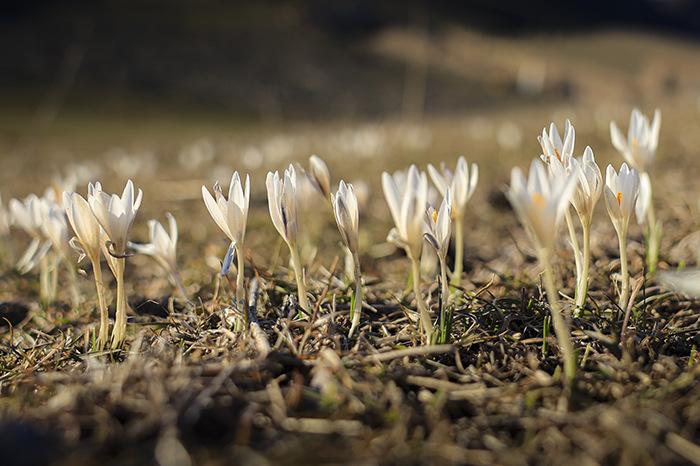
582	282
103	334
426	322
625	278
561	328
357	310
299	275
459	253
445	296
240	285
44	276
119	331
73	284
653	238
575	247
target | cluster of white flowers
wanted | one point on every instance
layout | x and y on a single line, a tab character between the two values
100	224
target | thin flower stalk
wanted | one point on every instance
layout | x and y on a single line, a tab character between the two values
347	217
439	226
282	198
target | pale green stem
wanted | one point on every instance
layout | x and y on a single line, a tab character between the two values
357	311
445	293
426	322
119	331
624	274
240	286
53	274
582	288
44	277
103	334
73	284
574	246
299	275
177	280
653	239
459	252
561	328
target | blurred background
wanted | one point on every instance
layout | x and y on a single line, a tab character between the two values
217	85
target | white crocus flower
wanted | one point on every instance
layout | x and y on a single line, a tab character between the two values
347	217
55	228
439	226
407	208
639	148
28	214
116	216
162	246
231	216
461	184
282	199
5	219
540	202
586	195
554	147
621	191
88	242
683	281
319	175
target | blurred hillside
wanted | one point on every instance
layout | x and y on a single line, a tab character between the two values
312	59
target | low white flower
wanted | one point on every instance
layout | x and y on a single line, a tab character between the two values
231	215
55	228
644	199
621	191
439	226
589	186
85	226
347	215
319	175
639	148
162	244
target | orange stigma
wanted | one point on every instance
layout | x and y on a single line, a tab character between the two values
619	198
538	200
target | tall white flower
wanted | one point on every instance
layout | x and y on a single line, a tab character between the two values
282	200
554	147
283	203
621	191
115	213
116	216
407	208
347	217
88	241
540	201
461	184
639	148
